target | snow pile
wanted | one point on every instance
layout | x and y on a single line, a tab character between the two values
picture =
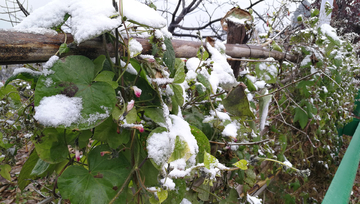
231	129
161	145
58	110
222	74
90	18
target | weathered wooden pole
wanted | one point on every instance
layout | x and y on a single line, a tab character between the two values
18	48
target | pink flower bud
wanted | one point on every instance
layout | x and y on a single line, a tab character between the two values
137	91
140	128
77	155
104	152
130	105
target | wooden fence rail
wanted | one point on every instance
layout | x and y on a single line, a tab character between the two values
18	48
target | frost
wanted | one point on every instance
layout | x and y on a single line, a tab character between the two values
90	18
58	110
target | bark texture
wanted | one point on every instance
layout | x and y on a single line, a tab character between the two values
18	48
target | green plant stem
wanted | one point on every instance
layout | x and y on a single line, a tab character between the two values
123	186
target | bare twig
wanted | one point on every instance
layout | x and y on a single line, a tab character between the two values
298	130
243	143
288	84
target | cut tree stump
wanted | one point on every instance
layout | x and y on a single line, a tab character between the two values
19	48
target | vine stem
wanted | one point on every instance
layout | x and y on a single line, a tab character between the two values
289	84
123	186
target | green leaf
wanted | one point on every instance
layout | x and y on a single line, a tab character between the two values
303	86
131	117
242	164
237	104
264	104
3	144
73	76
204	192
180	71
276	47
107	76
117	112
169	56
202	141
301	116
25	173
162	195
202	54
209	160
39	168
11	92
5	171
84	137
100	183
295	185
63	49
231	198
107	132
250	85
29	76
181	150
177	196
315	12
178	94
156	115
202	79
99	64
51	144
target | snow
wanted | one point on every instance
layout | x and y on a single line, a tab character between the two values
265	111
42	31
329	31
161	145
130	69
58	110
231	129
253	199
222	74
260	84
49	64
168	183
135	48
90	18
185	201
26	70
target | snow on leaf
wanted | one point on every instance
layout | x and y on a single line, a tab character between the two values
90	18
